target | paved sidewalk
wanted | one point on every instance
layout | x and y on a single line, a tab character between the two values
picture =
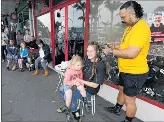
31	98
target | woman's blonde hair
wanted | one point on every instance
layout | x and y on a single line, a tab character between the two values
75	58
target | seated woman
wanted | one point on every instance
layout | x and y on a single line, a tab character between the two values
94	73
23	56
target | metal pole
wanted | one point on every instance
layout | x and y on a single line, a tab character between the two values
31	22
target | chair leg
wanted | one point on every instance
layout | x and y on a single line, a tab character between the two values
93	104
81	108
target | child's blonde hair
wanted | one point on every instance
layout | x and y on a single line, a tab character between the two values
75	58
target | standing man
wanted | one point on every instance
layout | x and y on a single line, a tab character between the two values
132	58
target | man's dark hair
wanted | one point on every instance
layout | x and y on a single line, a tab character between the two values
136	6
158	13
39	41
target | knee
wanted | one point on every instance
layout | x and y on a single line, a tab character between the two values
129	100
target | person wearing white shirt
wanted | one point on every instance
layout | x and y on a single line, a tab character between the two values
43	57
4	39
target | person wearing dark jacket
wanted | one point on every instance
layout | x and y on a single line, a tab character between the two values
12	54
43	56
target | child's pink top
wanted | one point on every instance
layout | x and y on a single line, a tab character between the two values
71	75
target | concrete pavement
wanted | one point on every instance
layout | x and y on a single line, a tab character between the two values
31	98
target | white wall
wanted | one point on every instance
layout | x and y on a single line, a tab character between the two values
145	111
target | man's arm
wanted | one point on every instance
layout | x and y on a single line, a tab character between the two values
128	53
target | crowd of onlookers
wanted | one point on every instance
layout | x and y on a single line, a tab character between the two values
26	52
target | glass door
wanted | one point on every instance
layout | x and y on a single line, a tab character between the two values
76	22
69	27
59	35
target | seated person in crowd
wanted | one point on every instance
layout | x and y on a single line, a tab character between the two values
30	63
23	56
12	55
19	38
32	43
27	37
43	57
93	77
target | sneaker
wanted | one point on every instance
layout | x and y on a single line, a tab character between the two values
69	118
22	69
45	73
8	68
79	120
14	68
3	60
36	72
115	110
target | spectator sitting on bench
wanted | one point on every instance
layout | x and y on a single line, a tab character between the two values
32	43
12	55
43	56
23	56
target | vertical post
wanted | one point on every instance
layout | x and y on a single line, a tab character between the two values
34	18
53	44
66	34
86	26
30	17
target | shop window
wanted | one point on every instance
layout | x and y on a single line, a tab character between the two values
107	28
43	29
26	14
46	3
76	24
38	6
56	2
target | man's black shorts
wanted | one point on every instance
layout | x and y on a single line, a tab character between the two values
132	83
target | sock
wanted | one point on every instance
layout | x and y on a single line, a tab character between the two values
129	118
118	105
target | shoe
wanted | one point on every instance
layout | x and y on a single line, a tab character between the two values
14	68
22	69
67	112
3	60
115	110
59	110
79	120
29	69
69	118
45	73
36	72
8	68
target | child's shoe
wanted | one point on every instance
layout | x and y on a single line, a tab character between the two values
14	68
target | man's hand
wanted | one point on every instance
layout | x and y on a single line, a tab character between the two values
106	50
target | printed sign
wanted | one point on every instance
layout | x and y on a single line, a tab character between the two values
156	22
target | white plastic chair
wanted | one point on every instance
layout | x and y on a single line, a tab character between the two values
92	104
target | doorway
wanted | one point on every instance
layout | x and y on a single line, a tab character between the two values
69	24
